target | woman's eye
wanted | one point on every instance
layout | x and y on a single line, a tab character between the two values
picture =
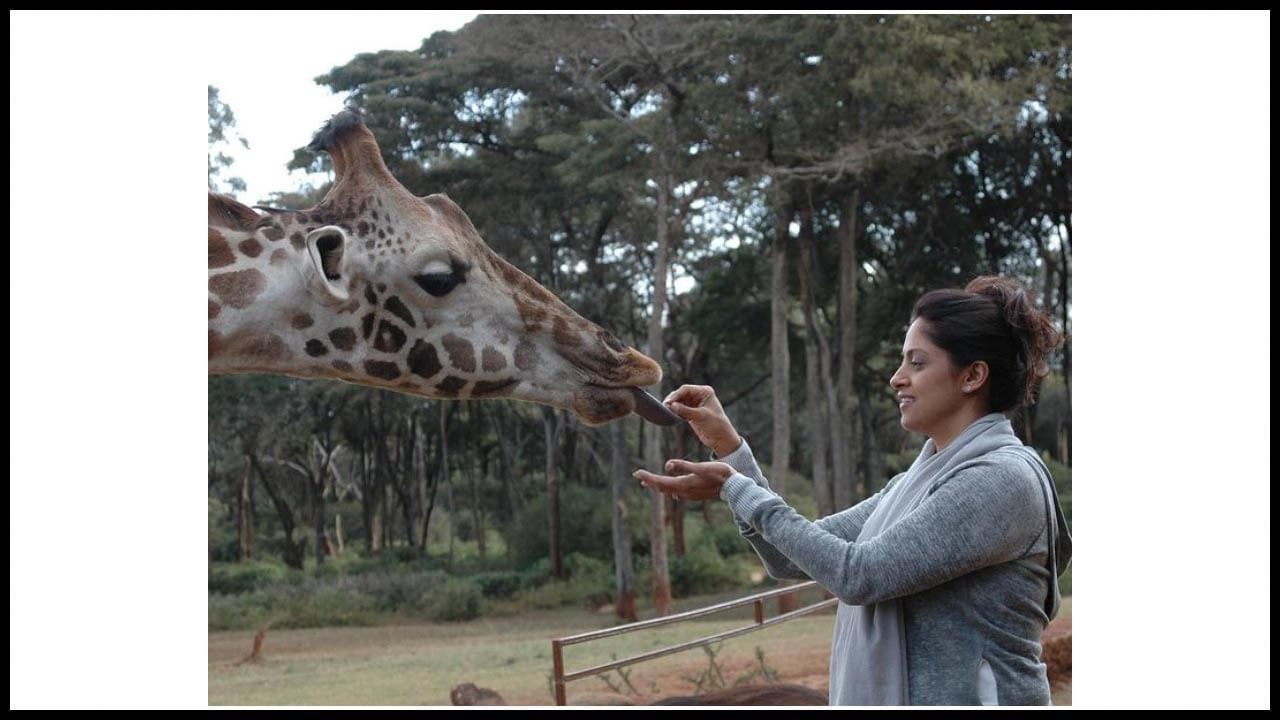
437	284
917	364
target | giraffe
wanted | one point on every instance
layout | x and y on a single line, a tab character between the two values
378	287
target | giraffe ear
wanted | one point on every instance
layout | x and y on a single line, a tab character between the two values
326	247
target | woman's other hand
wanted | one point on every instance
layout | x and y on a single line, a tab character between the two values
688	480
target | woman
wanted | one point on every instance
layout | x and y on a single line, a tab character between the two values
948	576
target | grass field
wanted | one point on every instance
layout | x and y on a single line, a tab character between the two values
418	664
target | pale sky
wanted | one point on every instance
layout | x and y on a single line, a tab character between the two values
269	81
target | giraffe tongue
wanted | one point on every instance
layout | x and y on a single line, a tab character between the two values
649	408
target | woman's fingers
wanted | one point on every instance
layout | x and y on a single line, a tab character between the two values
693	395
666	484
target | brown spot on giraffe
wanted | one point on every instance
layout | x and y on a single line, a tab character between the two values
461	354
270	347
394	306
484	388
238	289
273	233
220	254
492	360
563	334
531	314
466	320
214	309
451	386
316	348
215	343
423	360
368	295
366	325
362	229
382	369
298	240
279	256
343	338
526	356
390	337
302	321
251	247
341	365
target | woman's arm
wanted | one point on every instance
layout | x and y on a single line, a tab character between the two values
986	514
846	524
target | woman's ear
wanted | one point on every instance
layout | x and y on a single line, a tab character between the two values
975	376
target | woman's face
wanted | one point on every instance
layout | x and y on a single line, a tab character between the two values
929	391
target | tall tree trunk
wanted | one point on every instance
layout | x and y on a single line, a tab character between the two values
513	497
623	573
448	479
653	438
244	512
677	508
293	551
815	402
553	493
874	472
779	353
1065	280
843	458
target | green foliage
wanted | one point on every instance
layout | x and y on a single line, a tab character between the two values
584	514
702	570
726	539
238	578
457	600
503	584
222	124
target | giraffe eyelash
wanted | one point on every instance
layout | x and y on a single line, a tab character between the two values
439	284
445	278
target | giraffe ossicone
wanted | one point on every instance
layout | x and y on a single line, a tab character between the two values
378	287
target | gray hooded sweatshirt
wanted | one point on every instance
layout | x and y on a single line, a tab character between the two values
972	567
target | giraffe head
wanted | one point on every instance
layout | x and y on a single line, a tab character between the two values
378	287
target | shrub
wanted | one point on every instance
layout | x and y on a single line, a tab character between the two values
237	578
702	570
457	600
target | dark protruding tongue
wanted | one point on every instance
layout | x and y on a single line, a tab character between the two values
649	408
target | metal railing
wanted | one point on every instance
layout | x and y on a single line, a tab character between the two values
758	600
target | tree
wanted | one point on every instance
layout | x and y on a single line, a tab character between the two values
222	132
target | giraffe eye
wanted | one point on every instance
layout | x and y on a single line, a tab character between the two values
437	284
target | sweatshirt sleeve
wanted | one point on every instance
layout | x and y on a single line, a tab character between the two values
845	524
987	513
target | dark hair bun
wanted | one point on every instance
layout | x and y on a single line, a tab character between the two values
1032	328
